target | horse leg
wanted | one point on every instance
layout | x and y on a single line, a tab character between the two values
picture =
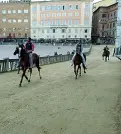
18	70
83	68
26	77
24	71
30	75
75	72
38	67
80	69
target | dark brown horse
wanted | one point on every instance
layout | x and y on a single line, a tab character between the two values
24	63
77	64
106	54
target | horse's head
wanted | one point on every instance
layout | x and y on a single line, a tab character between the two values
16	51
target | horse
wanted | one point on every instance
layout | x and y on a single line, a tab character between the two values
106	54
77	64
24	63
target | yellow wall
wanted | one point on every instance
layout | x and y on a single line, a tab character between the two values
103	3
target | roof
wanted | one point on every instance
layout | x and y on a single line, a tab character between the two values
105	7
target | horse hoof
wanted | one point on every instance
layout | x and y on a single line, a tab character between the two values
19	85
85	72
28	80
40	77
75	78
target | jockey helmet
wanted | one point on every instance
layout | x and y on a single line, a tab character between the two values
29	38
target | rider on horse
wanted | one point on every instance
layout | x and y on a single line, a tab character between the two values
106	48
29	47
79	50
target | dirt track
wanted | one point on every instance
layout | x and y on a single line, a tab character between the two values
59	104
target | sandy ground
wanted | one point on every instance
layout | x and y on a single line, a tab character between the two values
59	104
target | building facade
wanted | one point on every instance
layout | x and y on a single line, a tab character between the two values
14	19
61	19
104	23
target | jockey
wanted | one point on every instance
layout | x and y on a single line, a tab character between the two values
79	50
106	48
29	47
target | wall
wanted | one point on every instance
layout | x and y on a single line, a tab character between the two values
9	65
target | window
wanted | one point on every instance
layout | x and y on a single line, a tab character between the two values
54	7
114	24
34	9
14	20
110	25
19	20
76	22
63	14
87	13
77	7
85	36
76	13
26	35
70	14
19	34
34	31
103	15
53	30
70	7
4	29
59	7
48	30
58	22
26	11
69	36
48	22
4	20
14	29
19	11
76	30
48	14
85	30
86	22
14	11
53	14
75	36
9	11
42	22
63	22
48	8
62	36
58	14
25	20
43	31
9	21
86	5
43	8
4	12
4	34
63	30
63	7
69	30
53	22
69	22
47	36
34	23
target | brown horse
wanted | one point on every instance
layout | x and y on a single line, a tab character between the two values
24	63
106	54
77	64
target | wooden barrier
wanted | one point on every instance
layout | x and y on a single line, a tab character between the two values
8	65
